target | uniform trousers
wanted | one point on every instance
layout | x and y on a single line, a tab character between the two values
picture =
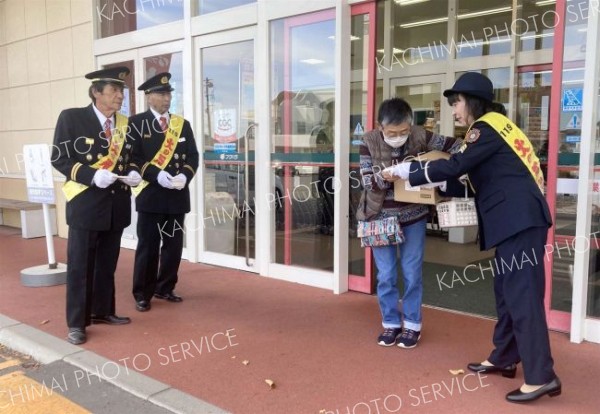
150	276
91	263
521	333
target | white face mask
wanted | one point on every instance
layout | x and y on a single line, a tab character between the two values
395	142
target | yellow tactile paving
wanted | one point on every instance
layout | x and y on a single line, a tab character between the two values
22	395
9	363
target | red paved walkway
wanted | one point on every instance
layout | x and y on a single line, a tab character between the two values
317	347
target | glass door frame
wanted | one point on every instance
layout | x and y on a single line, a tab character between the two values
445	110
336	280
201	42
366	283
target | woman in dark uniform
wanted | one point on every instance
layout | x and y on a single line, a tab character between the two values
505	175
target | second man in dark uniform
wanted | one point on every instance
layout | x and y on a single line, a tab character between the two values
164	146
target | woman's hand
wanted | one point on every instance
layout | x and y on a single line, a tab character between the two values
394	172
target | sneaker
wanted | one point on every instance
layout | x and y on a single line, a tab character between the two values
409	338
389	336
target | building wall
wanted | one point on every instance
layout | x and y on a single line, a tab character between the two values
45	49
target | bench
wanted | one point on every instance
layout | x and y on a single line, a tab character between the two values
32	217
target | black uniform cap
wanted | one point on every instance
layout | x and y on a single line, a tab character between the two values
157	83
112	75
475	84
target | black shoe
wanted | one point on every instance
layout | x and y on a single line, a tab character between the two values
143	305
508	371
553	389
111	319
76	336
171	297
389	336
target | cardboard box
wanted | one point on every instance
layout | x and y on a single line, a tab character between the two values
404	192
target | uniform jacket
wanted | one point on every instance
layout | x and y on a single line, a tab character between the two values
147	137
507	198
79	141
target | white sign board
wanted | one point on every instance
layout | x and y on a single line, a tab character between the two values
225	129
38	170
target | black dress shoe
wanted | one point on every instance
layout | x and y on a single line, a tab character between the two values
143	305
111	319
553	389
508	371
171	297
76	336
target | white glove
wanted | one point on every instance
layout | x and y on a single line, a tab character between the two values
103	178
401	170
441	184
164	179
133	179
179	181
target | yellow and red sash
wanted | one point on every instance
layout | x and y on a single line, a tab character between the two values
72	188
165	153
517	140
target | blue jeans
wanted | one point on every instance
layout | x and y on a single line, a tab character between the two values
411	260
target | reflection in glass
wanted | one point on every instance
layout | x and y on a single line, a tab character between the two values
121	16
419	32
568	155
484	28
358	125
593	309
228	102
169	62
302	138
211	6
535	25
425	102
533	111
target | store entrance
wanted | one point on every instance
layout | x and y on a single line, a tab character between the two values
456	275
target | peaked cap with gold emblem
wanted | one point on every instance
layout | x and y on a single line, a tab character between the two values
157	83
112	75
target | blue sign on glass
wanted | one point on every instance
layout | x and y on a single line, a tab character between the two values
573	138
225	147
572	100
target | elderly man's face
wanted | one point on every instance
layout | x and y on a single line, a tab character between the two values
160	101
110	99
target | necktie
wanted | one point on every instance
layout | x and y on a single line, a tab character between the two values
163	123
107	129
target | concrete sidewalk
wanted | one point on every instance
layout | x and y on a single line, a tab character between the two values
48	349
234	330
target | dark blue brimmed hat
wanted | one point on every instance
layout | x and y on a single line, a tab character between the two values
112	75
474	84
157	83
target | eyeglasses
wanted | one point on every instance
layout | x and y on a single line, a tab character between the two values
393	131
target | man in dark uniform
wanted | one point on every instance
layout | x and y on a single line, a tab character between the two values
92	151
164	145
